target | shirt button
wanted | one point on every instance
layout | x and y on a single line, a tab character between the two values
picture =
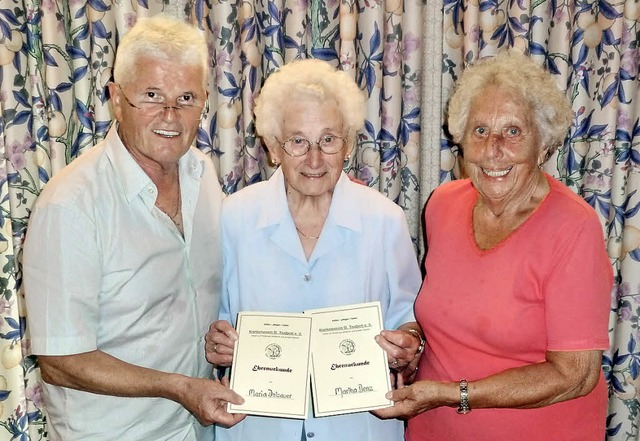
310	435
307	277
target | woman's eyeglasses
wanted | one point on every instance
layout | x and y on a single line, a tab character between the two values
299	146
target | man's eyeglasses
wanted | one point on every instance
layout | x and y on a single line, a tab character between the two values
328	144
153	104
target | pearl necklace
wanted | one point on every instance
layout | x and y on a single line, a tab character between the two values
306	235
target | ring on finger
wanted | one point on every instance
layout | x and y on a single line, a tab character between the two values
394	363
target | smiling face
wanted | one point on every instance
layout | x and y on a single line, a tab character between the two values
315	173
501	146
158	138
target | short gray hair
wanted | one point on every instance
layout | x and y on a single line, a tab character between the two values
308	78
517	73
163	37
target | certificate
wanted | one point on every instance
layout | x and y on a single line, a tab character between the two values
349	370
271	364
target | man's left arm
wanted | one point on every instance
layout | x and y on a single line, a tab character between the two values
101	373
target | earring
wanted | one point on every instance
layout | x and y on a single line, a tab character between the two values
542	158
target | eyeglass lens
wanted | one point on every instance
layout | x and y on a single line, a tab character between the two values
328	144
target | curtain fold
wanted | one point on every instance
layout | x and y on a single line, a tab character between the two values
56	58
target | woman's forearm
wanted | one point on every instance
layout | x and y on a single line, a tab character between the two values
562	376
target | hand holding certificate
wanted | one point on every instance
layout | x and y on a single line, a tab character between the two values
271	367
349	371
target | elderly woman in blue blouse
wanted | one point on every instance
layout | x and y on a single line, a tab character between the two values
310	238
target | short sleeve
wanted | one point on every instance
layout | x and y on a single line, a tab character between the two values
229	274
403	273
61	264
578	291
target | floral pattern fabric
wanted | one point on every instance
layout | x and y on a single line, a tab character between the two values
56	57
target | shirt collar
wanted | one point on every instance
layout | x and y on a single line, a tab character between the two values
341	212
277	210
344	204
133	178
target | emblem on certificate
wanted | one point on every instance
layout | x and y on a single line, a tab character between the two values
277	353
347	347
273	351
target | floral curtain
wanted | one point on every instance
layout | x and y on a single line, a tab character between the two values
56	57
593	49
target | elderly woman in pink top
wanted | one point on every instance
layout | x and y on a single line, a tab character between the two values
515	301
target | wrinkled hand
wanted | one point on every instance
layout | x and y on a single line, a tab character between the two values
401	348
219	343
207	401
407	375
409	401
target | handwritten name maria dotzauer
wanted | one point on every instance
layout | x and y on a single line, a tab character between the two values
269	393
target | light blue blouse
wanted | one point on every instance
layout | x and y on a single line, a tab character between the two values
364	254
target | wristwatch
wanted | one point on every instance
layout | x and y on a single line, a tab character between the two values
464	407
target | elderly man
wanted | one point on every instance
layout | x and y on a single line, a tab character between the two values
122	259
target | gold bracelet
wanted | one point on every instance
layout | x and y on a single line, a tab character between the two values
422	342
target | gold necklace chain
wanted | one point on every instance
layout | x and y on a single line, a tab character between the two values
178	207
306	235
